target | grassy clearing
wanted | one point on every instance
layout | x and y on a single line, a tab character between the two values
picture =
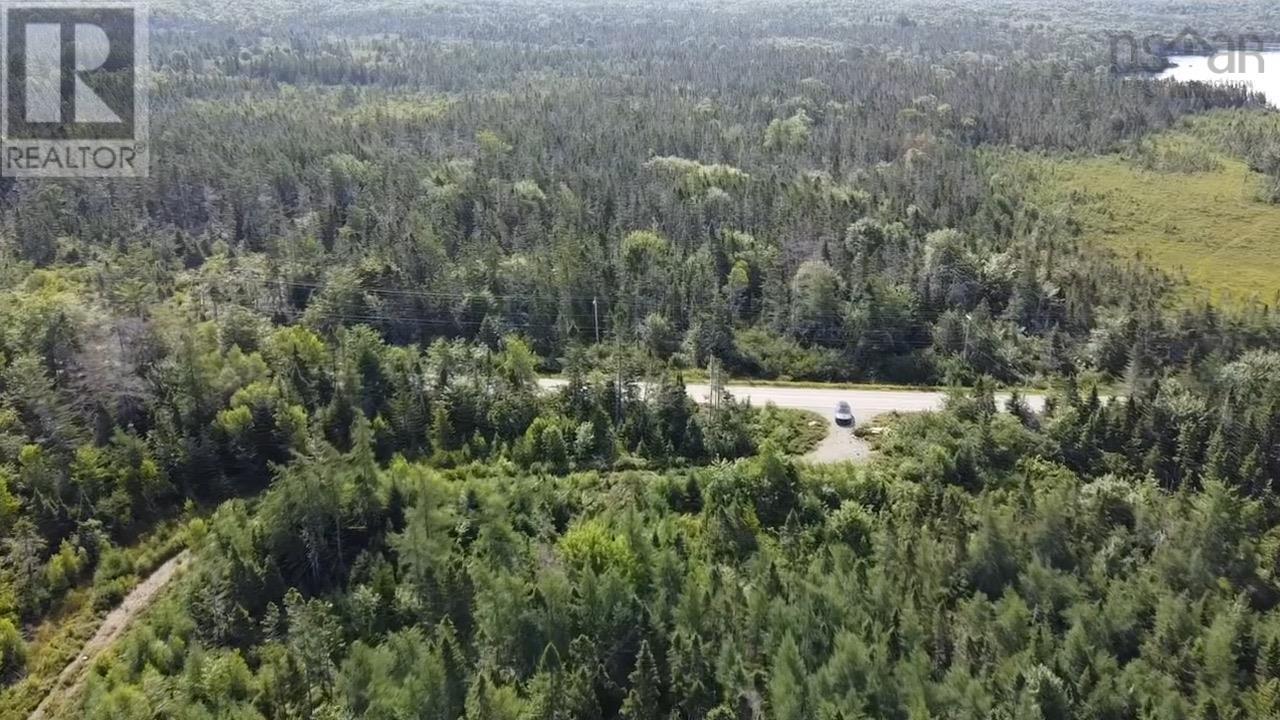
1180	204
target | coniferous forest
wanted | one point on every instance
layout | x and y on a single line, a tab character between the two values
392	349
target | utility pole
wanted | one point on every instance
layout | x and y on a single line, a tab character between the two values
717	390
617	354
595	310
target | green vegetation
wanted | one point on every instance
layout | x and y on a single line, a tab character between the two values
79	612
1175	201
240	397
987	568
790	431
371	227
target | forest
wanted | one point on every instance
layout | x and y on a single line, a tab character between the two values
393	346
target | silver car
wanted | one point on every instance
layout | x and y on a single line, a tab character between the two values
844	414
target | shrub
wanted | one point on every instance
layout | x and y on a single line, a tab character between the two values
776	357
852	525
64	568
13	651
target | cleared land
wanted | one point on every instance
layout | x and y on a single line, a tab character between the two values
1207	224
73	677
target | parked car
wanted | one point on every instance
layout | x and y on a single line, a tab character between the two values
844	414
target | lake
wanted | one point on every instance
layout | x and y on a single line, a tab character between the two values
1260	70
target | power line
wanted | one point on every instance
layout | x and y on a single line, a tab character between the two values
538	319
649	303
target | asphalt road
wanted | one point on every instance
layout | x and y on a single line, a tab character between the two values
840	443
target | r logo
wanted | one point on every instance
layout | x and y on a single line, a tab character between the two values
74	89
44	45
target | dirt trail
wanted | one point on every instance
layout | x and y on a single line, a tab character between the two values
839	445
73	677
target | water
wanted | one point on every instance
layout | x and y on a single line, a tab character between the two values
1259	70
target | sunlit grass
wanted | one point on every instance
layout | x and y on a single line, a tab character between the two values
1206	225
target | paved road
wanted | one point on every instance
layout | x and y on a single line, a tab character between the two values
840	443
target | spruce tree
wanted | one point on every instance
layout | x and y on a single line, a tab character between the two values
644	697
